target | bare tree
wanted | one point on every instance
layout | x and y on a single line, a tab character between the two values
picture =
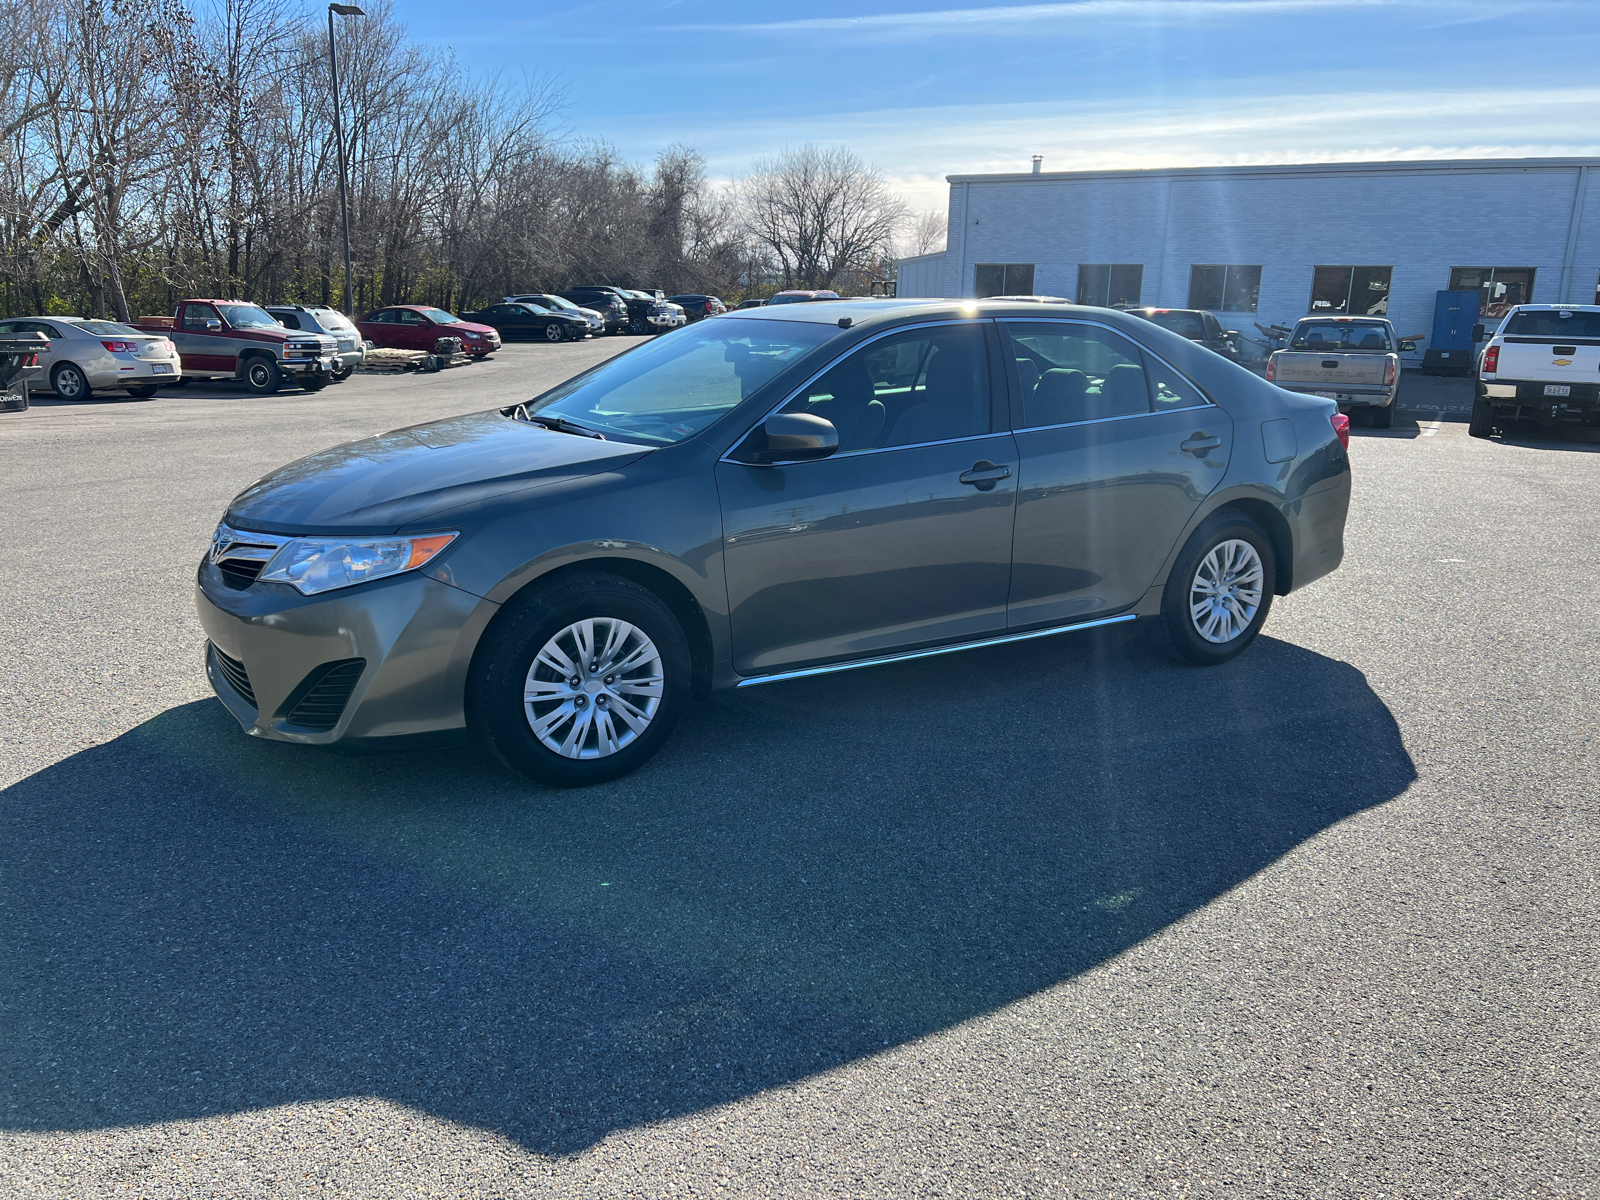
926	234
819	212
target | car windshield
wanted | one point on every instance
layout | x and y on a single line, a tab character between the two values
248	316
1186	324
439	317
330	319
1340	335
1553	323
108	329
672	388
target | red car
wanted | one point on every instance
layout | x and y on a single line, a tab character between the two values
419	327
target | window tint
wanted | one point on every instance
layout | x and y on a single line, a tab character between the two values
1339	335
1184	324
1075	373
924	385
195	316
405	316
289	319
1170	391
1553	323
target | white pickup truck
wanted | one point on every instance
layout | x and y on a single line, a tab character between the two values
1542	364
1353	361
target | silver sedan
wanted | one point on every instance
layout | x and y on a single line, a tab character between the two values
88	356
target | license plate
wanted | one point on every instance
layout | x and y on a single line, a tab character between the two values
1329	395
1558	389
160	369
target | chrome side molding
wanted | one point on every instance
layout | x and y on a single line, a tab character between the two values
905	656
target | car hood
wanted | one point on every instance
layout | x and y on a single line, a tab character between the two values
393	480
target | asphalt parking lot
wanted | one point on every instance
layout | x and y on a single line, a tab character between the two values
1058	919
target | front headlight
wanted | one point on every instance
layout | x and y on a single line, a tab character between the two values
322	564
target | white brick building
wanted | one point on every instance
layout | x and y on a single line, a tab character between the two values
1265	244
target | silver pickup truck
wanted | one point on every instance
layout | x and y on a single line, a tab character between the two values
1353	361
1542	364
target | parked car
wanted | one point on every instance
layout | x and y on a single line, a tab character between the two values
87	356
608	301
1542	364
1197	325
744	304
597	323
1353	361
564	574
229	339
323	318
420	326
1035	299
526	321
697	307
651	312
801	297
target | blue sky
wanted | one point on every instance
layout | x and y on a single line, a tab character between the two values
925	91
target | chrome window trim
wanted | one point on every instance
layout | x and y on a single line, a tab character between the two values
976	322
1209	402
931	651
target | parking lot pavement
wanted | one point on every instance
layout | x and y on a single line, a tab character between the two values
1062	919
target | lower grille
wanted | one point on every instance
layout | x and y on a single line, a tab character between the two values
319	701
240	572
233	671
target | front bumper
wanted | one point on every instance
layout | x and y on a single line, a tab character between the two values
413	635
301	368
668	320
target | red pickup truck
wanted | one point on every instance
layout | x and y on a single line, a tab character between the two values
231	339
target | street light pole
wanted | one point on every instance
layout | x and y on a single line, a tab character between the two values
344	10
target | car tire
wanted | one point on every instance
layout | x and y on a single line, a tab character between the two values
262	376
141	393
1232	549
1383	418
341	374
638	326
559	737
1481	423
69	382
554	333
316	383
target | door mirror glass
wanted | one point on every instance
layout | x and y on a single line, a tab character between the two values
1477	333
796	437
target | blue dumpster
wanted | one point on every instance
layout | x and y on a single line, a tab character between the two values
1451	350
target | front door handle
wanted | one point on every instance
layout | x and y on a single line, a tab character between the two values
984	475
1199	444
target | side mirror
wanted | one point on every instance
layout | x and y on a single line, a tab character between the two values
797	437
213	325
1477	333
1408	347
1230	333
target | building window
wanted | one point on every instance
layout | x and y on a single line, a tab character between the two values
1110	285
1361	291
1503	287
1224	288
1003	279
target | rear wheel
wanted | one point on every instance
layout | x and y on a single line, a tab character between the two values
262	377
1383	418
1219	592
1481	423
69	382
141	393
553	333
580	681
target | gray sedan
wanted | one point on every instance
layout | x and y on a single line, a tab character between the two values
790	492
88	356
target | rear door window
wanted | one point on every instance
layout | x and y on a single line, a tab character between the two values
1071	373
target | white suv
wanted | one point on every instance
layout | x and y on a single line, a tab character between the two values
1542	364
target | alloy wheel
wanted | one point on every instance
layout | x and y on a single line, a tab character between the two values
70	383
1225	593
594	688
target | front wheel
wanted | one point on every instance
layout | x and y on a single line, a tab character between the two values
315	383
341	374
262	377
69	382
638	325
1481	423
580	681
554	333
1219	592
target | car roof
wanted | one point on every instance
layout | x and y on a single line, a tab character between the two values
1560	307
1338	317
884	309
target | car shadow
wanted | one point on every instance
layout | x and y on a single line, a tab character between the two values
203	923
1540	437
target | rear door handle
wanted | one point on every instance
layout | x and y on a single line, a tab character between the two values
984	475
1199	444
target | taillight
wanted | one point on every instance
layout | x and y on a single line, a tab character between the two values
1341	426
1272	368
121	347
1491	360
1388	371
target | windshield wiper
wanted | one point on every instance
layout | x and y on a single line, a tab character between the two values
559	424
